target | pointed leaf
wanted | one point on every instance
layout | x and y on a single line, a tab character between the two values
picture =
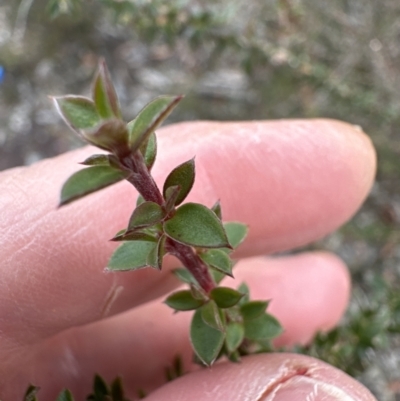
236	233
104	95
111	135
265	327
149	150
253	309
217	209
234	336
77	111
89	180
100	387
244	289
182	175
194	224
146	214
131	255
101	160
133	236
212	316
139	200
150	118
117	390
155	257
184	275
217	275
218	260
65	395
171	194
206	341
30	394
225	297
183	300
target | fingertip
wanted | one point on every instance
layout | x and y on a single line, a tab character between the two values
267	377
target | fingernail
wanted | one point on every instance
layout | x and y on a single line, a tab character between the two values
303	388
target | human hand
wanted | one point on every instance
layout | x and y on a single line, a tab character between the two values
62	318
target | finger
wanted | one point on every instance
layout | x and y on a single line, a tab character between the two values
291	181
271	377
308	293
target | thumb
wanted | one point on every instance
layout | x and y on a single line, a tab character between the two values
268	377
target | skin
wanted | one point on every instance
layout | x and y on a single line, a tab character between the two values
62	318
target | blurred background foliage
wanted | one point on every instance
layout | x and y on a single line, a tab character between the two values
234	60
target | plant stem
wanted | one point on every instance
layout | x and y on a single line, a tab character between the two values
142	180
192	262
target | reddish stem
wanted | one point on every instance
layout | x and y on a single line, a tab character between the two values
142	180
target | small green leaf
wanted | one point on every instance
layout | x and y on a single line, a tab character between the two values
171	194
218	260
253	309
213	316
30	394
101	160
89	180
117	390
183	300
234	336
131	255
265	327
139	200
155	257
194	224
65	395
244	289
77	111
150	118
217	209
236	233
146	214
104	95
149	150
206	341
184	275
100	388
225	297
111	135
182	175
137	235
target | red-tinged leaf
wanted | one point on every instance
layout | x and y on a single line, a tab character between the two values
152	115
104	95
101	160
89	180
170	197
196	225
111	135
77	111
182	175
